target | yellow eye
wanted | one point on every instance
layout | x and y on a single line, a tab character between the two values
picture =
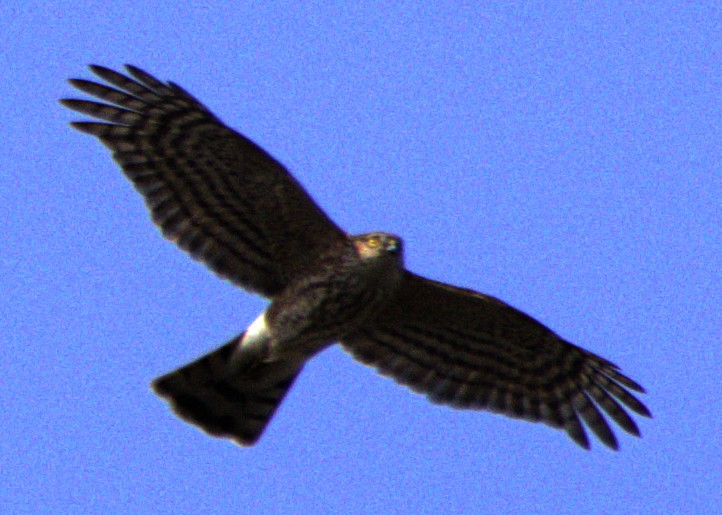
373	242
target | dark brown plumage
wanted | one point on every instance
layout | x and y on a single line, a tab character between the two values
233	207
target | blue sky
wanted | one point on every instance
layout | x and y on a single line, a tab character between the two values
566	160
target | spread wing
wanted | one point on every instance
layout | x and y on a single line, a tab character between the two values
214	192
469	350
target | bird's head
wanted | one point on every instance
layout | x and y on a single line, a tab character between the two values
376	245
382	258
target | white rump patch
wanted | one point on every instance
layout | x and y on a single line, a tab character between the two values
256	333
254	345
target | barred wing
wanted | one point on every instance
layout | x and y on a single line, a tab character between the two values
469	350
214	192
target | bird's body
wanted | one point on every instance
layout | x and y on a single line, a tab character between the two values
229	204
350	287
310	314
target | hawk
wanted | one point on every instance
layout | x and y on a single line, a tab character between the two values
229	204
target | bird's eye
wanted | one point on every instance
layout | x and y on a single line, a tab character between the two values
373	242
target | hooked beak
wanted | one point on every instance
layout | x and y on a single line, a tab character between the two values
392	246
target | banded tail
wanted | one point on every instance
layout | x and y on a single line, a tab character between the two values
227	397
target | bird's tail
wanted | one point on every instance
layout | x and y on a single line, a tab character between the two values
227	397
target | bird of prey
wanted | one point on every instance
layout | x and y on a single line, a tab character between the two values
229	204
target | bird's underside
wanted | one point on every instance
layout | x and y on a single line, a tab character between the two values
228	203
